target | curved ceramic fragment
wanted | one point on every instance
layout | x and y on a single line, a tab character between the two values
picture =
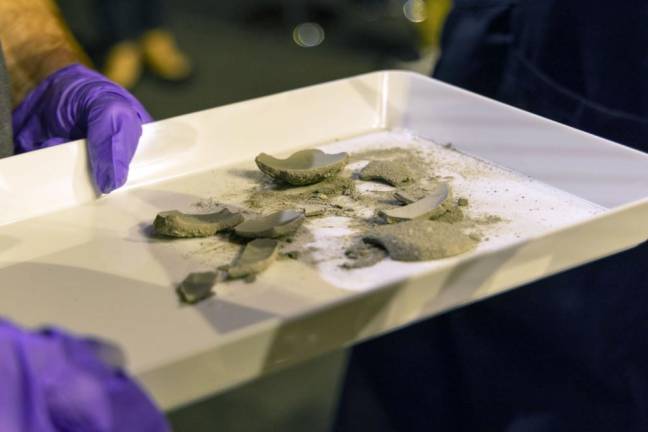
256	257
394	173
177	224
420	240
197	287
435	204
275	225
405	197
302	168
414	193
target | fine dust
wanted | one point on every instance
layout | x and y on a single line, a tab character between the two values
322	195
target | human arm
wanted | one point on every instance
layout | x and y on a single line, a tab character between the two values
58	99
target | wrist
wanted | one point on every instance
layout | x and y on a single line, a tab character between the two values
39	70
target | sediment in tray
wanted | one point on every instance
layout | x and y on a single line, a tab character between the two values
449	232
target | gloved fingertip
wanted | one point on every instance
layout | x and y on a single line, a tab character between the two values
51	142
112	177
144	116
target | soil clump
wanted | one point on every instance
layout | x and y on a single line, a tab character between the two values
420	240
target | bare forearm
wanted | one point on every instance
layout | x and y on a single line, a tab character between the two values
35	42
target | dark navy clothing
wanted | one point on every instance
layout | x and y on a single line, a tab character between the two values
121	20
580	62
568	353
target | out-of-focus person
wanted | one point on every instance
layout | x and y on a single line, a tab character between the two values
135	35
566	353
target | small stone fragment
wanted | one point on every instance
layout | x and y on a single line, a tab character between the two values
177	224
420	240
304	167
272	226
313	210
394	173
363	255
292	254
197	287
255	258
462	202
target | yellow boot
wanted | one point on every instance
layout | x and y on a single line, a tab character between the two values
124	64
163	56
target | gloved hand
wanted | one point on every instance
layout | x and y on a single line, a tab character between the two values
53	382
76	102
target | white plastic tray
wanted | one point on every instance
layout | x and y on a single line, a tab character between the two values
70	259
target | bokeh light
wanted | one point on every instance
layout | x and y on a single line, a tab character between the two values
415	10
308	34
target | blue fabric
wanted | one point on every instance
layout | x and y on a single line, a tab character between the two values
569	353
579	62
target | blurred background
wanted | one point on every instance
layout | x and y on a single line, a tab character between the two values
211	53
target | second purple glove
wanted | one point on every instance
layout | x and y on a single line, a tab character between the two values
76	102
51	381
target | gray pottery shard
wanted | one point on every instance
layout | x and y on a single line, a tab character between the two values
405	197
197	287
257	256
304	167
272	226
177	224
429	207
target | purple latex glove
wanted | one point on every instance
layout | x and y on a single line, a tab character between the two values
53	382
76	102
